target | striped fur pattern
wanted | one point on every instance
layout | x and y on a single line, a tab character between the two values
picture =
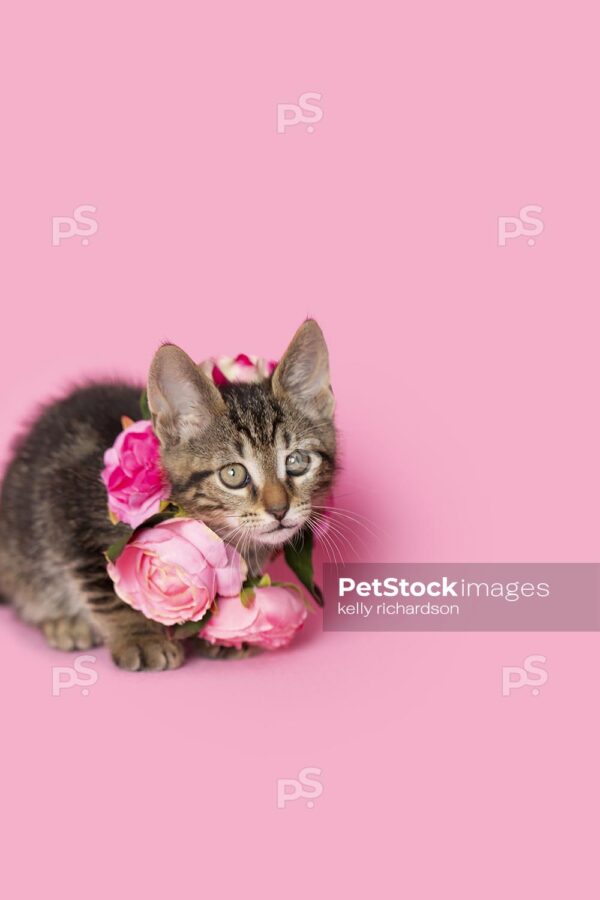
259	432
53	514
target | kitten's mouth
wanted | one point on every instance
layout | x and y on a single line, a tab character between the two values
277	535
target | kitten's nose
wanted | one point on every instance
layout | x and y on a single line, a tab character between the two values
278	511
275	499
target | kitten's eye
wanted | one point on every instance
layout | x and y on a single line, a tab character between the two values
297	462
234	475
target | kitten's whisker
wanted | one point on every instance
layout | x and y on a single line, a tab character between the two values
339	536
345	532
327	543
345	523
247	545
352	517
322	540
234	538
333	507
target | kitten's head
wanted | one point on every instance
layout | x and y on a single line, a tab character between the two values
249	460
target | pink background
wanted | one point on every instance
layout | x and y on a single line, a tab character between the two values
466	377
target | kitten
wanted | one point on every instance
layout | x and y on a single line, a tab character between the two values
248	459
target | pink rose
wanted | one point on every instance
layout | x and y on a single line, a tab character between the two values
132	475
173	571
240	368
271	621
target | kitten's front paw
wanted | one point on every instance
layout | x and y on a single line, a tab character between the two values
215	651
71	633
153	653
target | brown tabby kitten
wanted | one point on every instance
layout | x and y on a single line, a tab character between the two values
248	459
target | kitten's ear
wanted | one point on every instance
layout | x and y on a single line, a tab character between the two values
303	372
182	399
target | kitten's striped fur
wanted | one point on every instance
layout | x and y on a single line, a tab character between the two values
53	514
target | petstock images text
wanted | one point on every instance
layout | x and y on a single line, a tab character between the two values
462	597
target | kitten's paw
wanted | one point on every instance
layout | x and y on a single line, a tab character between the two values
215	651
71	633
153	653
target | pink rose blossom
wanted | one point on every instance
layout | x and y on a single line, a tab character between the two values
132	475
241	368
271	621
172	572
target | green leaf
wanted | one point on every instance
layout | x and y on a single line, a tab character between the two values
300	562
251	582
144	408
190	629
247	596
114	551
169	513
